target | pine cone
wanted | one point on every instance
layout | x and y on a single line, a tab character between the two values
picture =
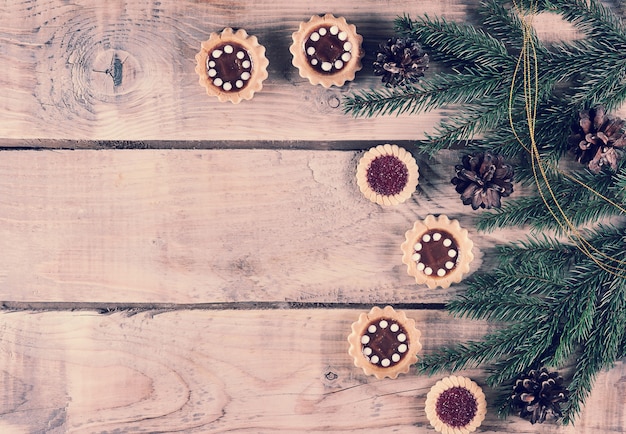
400	61
537	394
595	139
483	179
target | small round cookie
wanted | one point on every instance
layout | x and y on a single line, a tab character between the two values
387	174
384	342
437	251
327	50
231	65
456	405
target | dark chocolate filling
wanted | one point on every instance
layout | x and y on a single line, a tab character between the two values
325	49
436	253
385	342
387	175
229	66
456	406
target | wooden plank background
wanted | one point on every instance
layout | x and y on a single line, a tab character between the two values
58	83
173	264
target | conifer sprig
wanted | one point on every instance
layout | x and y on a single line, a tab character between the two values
424	96
596	192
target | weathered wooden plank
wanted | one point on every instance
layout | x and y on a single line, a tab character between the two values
230	371
60	59
185	226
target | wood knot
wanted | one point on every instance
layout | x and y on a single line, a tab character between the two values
331	376
114	72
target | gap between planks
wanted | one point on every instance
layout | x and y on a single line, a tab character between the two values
133	308
322	145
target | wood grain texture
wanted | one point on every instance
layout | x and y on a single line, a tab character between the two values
203	229
280	371
184	226
124	70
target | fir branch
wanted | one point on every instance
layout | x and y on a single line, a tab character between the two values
529	353
474	353
590	17
456	43
505	25
604	86
575	308
532	210
512	278
488	307
475	119
601	350
541	251
425	95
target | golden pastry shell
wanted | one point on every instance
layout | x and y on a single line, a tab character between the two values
358	329
257	57
300	61
465	254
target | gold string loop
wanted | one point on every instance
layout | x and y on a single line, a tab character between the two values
527	63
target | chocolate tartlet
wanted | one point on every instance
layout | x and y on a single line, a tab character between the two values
456	405
437	251
231	65
327	50
384	342
387	174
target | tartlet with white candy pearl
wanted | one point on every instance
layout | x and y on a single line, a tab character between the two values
384	342
232	65
327	50
437	251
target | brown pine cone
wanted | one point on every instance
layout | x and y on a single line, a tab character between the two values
400	61
596	138
483	179
539	394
